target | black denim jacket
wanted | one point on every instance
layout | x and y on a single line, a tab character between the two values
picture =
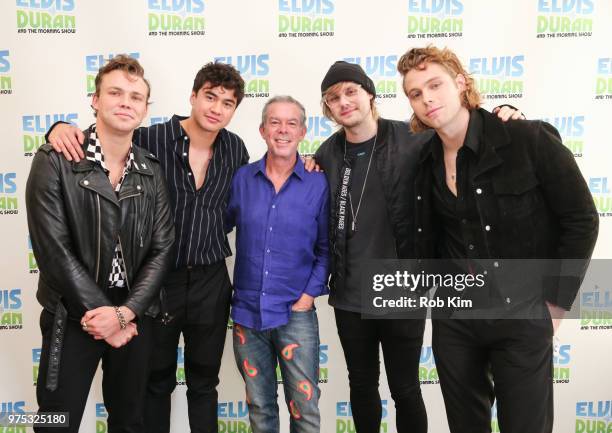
533	203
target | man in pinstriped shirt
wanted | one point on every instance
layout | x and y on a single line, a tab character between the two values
199	157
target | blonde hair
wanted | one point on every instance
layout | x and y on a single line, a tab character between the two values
418	58
336	88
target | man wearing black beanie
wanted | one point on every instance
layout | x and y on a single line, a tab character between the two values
376	159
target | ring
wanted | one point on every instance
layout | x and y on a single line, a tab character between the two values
85	326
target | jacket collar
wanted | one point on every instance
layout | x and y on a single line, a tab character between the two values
96	180
140	163
494	136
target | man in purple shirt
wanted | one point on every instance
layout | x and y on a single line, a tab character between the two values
281	214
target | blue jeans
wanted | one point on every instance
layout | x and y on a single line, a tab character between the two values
295	347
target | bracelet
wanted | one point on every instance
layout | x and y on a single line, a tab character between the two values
122	323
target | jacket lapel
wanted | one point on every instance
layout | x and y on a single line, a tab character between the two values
494	136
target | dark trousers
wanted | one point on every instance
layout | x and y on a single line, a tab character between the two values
480	360
198	302
123	383
401	341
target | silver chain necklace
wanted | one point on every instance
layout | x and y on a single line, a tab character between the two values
353	213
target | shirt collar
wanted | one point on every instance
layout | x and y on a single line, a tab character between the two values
472	137
298	168
95	154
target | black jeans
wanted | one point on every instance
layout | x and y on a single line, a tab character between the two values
123	383
514	354
401	341
198	301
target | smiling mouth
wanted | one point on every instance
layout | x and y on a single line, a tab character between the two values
126	115
212	119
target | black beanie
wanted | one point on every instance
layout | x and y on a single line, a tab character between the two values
344	71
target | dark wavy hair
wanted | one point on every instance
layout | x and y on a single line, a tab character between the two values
220	74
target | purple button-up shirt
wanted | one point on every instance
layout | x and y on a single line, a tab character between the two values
281	243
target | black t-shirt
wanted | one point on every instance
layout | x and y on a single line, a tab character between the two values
373	237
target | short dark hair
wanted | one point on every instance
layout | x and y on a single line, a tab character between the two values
220	74
125	63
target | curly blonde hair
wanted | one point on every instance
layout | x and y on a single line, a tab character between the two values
418	58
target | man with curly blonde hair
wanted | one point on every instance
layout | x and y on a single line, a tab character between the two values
495	191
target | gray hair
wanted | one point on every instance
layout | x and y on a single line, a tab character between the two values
283	98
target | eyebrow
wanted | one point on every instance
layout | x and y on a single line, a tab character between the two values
437	77
292	119
209	91
134	92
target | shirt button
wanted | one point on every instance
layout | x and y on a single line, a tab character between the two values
418	197
471	247
485	272
85	182
463	221
268	251
478	191
488	228
270	228
185	138
189	174
496	264
184	153
266	272
508	300
419	230
273	206
263	293
138	187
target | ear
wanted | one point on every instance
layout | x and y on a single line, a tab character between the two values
94	102
192	98
460	81
261	132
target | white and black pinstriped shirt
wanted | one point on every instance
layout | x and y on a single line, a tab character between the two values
198	214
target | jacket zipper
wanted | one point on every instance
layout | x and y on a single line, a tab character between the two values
127	282
99	236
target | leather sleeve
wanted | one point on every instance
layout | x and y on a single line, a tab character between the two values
51	239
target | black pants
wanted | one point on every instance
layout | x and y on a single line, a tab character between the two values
198	300
480	360
123	383
401	341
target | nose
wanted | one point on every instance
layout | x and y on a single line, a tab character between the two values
125	100
282	127
343	99
216	107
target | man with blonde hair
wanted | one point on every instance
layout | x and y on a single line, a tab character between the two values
497	191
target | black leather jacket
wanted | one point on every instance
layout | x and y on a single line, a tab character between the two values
396	159
75	218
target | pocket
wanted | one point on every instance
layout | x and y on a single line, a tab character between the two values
518	196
